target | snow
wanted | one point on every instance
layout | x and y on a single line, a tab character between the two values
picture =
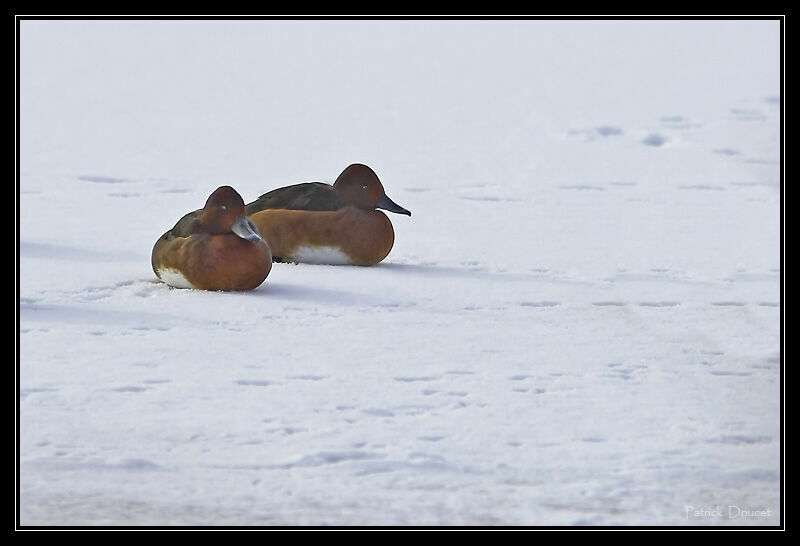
580	323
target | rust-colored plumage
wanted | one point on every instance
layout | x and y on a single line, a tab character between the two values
311	219
214	248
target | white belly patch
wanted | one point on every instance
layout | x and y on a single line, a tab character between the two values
328	255
173	277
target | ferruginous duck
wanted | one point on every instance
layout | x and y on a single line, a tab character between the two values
335	224
214	248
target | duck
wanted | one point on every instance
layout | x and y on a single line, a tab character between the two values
320	223
213	248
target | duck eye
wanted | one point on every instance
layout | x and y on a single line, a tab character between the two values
363	186
223	207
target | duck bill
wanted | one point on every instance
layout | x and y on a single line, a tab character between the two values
245	229
387	204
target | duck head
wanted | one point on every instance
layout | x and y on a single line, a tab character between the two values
360	186
224	212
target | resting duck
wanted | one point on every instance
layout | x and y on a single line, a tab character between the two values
214	248
318	223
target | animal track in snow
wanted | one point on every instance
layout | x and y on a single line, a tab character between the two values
582	187
607	130
540	303
617	371
330	457
308	377
103	179
24	393
678	122
655	140
286	431
407	379
129	388
740	440
124	195
702	187
759	161
747	114
255	382
377	412
430	438
601	131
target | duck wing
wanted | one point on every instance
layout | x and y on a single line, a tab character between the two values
186	226
306	196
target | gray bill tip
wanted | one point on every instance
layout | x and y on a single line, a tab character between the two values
387	204
246	229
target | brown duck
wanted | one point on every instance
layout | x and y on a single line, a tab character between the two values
214	248
334	224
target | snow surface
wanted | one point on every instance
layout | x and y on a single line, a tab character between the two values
580	323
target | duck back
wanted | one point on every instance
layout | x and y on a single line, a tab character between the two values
314	196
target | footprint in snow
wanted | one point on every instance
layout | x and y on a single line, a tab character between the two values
412	379
702	187
747	114
308	377
377	412
655	140
103	179
678	122
601	131
254	382
129	388
607	130
24	393
582	187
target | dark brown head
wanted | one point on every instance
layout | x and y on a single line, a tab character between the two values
359	185
224	212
